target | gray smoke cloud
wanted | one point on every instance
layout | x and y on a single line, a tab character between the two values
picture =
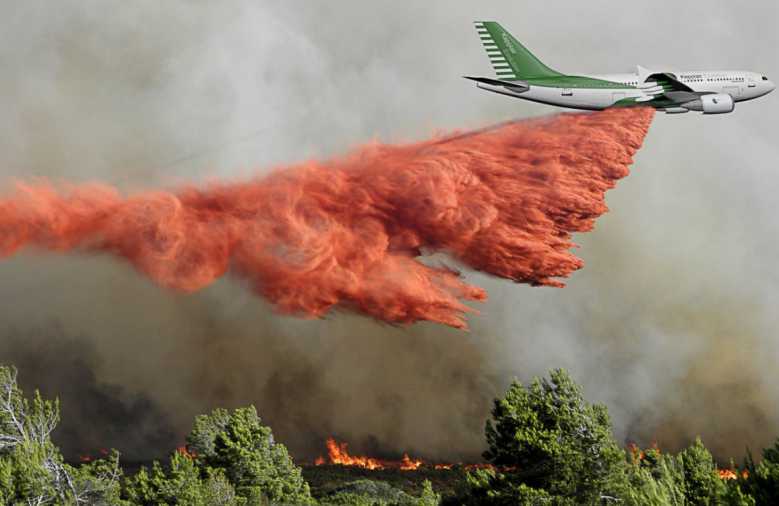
670	323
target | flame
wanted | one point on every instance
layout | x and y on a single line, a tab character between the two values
88	457
639	455
338	454
732	474
186	452
409	464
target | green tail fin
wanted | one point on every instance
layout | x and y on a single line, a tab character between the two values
510	59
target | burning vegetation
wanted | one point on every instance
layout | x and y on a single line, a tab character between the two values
338	454
545	444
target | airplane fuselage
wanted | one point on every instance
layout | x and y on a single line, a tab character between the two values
597	92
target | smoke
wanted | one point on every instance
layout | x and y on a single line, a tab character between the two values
670	323
95	415
346	233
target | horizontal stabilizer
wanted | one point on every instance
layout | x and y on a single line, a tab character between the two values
518	86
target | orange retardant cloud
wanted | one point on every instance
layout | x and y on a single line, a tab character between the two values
348	233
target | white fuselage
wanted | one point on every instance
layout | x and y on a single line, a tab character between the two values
740	85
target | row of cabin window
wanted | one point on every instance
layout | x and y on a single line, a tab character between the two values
735	79
732	79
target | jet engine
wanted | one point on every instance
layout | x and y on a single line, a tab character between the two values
714	103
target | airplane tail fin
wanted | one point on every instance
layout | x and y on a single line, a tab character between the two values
510	59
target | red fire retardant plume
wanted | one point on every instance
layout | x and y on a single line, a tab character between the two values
347	233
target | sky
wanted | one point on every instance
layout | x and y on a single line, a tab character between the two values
671	323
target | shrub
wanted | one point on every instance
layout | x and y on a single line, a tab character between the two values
485	486
429	497
378	493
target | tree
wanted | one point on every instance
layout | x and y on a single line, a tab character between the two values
100	480
551	443
654	479
703	486
763	479
32	470
689	478
245	450
181	483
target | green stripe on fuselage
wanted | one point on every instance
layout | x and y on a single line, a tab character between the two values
577	82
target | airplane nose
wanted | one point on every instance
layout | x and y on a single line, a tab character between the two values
771	86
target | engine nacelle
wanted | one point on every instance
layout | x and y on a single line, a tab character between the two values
714	103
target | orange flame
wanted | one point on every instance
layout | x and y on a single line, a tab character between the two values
338	454
724	474
88	457
409	464
732	474
186	452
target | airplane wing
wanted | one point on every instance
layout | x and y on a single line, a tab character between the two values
665	84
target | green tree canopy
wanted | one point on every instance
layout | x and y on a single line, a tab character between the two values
763	479
554	442
32	469
239	444
703	485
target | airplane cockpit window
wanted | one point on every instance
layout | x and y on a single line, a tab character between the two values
765	78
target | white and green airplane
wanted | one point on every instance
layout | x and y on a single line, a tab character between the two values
522	75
